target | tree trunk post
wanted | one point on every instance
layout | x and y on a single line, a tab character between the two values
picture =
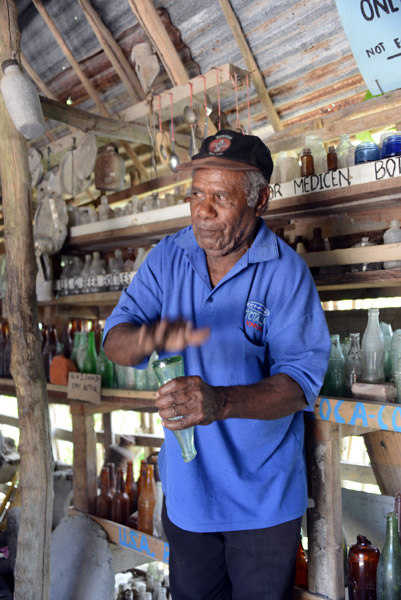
32	569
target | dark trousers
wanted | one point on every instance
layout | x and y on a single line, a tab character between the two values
256	564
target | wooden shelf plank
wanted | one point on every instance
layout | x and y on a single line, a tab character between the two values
368	279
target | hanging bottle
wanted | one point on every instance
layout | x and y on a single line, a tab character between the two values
105	368
131	488
387	332
388	577
373	350
395	352
22	101
307	165
353	364
81	353
109	169
345	152
362	566
49	350
120	502
301	568
392	236
334	380
104	499
89	365
146	502
332	162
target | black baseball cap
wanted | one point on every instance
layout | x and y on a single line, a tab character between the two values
232	151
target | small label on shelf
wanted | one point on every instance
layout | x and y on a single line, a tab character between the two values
94	283
85	387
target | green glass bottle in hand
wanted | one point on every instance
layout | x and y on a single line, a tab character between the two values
89	365
167	369
388	577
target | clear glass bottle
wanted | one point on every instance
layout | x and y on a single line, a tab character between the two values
97	268
388	576
85	273
395	352
116	266
397	377
373	350
387	332
139	258
345	346
353	364
334	380
345	152
392	236
81	352
75	346
89	365
129	260
158	530
362	566
103	209
314	142
365	266
109	169
76	272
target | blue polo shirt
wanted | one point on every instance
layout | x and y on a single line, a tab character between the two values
265	318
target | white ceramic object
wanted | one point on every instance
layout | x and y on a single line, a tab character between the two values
85	156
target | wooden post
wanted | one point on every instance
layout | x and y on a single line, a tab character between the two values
84	470
32	568
326	566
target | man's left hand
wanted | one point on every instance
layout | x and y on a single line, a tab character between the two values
192	399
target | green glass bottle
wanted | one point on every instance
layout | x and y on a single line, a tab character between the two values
388	578
74	353
105	368
89	365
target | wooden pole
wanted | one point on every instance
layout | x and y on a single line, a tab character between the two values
32	568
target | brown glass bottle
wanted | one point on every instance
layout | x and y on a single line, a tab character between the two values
317	242
66	340
332	163
362	565
112	476
44	335
397	510
104	499
49	350
96	328
142	477
120	502
6	350
146	502
131	488
307	165
76	326
301	568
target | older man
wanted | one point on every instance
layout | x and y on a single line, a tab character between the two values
242	308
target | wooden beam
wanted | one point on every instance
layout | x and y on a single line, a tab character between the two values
32	567
84	468
87	121
251	65
35	77
113	52
84	79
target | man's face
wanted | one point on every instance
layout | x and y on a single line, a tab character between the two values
222	221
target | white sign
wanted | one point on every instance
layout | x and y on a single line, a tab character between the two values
373	29
85	387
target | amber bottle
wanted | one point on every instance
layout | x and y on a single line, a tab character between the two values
362	566
307	165
146	502
142	477
131	488
49	349
301	568
112	476
104	499
75	326
120	501
66	340
332	163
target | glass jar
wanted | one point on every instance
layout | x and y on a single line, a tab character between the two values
109	169
345	152
367	152
307	163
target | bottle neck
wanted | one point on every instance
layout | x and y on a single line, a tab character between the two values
391	531
105	481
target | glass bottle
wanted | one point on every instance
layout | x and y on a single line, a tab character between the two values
353	364
388	577
397	510
345	346
345	152
146	502
387	332
109	169
66	340
75	326
317	242
314	142
373	350
362	565
89	365
397	377
158	530
301	568
392	236
75	346
49	350
131	488
85	273
334	380
332	162
139	258
365	266
116	266
129	261
44	335
103	209
112	475
97	268
120	503
81	352
97	330
76	272
395	352
142	476
307	165
104	499
6	354
105	368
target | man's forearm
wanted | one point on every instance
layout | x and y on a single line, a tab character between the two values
272	398
127	344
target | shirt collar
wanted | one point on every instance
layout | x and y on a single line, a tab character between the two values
264	247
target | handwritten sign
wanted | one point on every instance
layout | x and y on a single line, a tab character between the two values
84	386
373	29
374	415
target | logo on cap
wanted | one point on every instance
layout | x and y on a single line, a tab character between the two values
219	145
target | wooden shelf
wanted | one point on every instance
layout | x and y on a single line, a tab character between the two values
367	279
93	299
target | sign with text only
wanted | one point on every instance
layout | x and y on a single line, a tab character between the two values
84	386
373	29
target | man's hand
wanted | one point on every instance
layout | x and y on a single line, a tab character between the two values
192	399
175	336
